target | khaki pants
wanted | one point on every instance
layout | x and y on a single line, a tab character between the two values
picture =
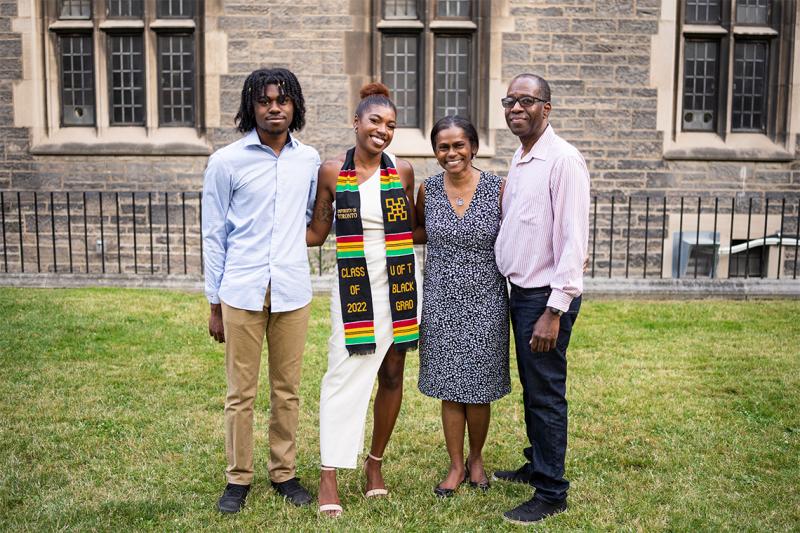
244	337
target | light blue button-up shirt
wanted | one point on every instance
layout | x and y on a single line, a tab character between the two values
256	206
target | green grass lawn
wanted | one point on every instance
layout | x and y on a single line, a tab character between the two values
684	416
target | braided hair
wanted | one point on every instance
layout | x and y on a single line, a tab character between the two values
254	87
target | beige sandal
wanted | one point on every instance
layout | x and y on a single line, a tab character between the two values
331	510
374	492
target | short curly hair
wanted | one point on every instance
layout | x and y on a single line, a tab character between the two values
254	87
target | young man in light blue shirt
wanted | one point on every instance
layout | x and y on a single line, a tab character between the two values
258	196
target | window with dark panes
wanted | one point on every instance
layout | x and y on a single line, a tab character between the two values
126	79
427	53
119	34
75	9
76	63
125	8
176	79
728	75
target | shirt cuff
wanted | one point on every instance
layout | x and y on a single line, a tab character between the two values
213	299
560	300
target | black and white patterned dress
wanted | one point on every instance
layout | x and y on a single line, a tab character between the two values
464	329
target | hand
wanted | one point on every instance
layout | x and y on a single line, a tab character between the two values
215	328
545	332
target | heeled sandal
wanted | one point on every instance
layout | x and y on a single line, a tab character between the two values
331	510
374	493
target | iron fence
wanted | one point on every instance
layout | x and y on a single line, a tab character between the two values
158	233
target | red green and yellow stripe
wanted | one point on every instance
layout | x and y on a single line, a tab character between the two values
399	244
362	332
347	181
390	180
348	246
406	330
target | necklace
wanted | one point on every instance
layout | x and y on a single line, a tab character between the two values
459	199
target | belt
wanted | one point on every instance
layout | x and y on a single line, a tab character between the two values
534	290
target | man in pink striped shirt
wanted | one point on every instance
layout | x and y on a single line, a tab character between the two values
541	249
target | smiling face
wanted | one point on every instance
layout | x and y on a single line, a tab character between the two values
527	123
274	112
454	151
375	128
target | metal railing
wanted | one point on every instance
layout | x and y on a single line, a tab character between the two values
158	233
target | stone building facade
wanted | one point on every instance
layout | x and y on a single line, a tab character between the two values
665	99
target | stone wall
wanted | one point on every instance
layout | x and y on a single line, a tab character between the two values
597	55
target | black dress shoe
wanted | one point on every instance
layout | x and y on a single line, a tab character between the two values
232	499
533	511
520	475
483	485
293	491
446	493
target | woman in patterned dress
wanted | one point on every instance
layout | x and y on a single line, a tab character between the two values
464	328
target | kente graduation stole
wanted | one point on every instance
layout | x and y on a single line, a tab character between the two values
354	288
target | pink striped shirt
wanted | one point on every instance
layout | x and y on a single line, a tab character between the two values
544	235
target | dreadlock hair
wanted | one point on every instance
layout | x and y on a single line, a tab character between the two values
254	87
374	94
540	81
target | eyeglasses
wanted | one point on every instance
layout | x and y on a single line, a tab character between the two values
525	101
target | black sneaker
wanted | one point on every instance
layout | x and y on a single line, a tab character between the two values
533	511
520	475
232	499
293	491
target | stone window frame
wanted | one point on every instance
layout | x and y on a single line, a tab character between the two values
414	141
50	137
778	143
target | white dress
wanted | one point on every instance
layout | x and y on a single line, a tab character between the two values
347	385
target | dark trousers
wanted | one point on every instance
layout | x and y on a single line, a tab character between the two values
544	381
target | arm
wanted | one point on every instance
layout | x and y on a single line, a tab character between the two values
406	172
420	235
570	199
322	219
217	193
312	194
502	190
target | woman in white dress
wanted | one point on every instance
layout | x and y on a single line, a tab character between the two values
347	384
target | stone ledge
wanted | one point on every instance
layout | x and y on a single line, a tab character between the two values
594	288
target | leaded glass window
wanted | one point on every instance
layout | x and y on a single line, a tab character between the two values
176	80
703	11
126	79
755	12
452	77
700	85
77	80
733	56
453	8
399	71
176	8
400	9
125	8
75	9
749	85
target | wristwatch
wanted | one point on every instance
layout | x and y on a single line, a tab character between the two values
555	311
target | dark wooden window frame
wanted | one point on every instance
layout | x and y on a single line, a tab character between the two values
100	26
428	27
779	33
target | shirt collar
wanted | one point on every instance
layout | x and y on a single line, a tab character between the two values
252	139
542	146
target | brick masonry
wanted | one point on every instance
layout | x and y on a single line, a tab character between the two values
596	54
